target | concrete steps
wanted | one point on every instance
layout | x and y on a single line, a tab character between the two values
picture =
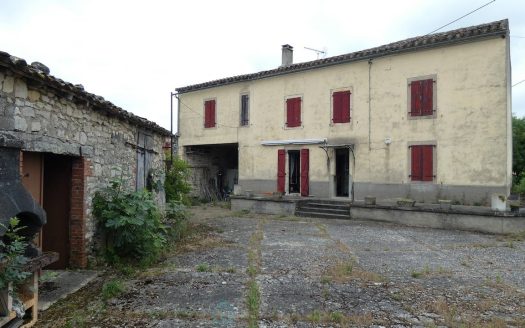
328	209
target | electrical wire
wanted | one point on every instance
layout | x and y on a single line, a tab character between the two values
518	83
473	11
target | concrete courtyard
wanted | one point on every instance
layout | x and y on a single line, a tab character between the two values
244	269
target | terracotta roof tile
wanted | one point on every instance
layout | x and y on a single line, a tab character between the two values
498	28
20	66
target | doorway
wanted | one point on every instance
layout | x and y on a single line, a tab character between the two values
48	178
342	172
294	169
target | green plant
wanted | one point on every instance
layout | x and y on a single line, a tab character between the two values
113	288
12	259
176	220
336	317
176	184
47	276
314	317
203	267
131	223
253	300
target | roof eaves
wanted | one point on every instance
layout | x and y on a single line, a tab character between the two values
20	67
462	35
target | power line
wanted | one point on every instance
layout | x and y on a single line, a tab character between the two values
517	36
518	83
473	11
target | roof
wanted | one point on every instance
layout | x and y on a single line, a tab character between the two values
467	34
39	74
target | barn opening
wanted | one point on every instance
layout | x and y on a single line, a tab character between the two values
215	169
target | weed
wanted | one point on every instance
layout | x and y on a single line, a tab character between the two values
499	279
203	267
314	317
326	279
112	288
251	271
326	293
336	317
253	302
231	270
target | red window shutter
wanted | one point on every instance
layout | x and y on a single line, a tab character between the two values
293	112
209	114
305	168
341	107
427	89
416	172
427	154
281	173
298	111
415	98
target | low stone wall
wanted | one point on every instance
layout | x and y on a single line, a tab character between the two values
462	218
263	205
497	223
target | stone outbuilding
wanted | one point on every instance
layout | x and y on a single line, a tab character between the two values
73	144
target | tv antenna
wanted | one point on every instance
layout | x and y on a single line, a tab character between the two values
318	52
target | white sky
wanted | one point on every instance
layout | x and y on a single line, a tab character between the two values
134	53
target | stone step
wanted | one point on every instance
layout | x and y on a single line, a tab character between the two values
322	215
322	205
337	210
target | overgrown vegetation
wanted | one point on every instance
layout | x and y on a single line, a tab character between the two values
518	156
131	222
112	288
12	259
176	183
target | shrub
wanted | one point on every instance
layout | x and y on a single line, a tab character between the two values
518	186
176	183
176	220
12	259
131	223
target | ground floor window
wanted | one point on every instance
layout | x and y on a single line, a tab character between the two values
422	162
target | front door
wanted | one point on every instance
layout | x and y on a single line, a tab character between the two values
294	169
57	201
342	172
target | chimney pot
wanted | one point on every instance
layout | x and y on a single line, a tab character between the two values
287	57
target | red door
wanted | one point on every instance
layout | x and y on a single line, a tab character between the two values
281	171
305	167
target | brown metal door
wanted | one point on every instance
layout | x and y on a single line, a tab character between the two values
57	200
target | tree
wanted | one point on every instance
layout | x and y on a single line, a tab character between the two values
518	147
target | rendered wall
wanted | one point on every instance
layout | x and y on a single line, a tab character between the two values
470	128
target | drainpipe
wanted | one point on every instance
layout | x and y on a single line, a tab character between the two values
369	105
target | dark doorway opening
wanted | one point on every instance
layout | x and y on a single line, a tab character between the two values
56	203
215	170
294	169
342	172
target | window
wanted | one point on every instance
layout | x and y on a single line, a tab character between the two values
293	112
421	95
209	113
422	163
245	110
341	107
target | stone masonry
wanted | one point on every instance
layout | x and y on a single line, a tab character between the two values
53	116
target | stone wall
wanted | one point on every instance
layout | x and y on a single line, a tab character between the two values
52	121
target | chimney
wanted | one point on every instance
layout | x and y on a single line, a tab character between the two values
287	55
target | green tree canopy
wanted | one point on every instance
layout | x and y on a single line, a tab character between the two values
518	147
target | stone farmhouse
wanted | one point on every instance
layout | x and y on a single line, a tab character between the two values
426	118
72	143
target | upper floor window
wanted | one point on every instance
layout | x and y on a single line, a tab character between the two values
245	110
209	113
421	95
422	163
293	112
341	107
